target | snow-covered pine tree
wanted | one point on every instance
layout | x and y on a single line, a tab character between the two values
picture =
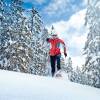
39	46
22	39
62	62
1	10
81	77
66	66
17	54
20	49
92	45
45	49
69	67
4	35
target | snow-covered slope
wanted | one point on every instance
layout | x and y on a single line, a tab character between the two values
18	86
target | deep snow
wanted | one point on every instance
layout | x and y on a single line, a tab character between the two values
20	86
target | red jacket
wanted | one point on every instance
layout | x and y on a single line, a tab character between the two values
55	43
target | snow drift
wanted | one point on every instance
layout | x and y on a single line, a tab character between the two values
19	86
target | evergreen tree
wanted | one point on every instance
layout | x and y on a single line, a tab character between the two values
15	39
92	45
69	65
20	49
39	46
23	44
4	35
66	66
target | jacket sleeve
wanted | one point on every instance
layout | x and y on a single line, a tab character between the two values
61	41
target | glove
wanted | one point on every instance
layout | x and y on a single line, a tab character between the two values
65	54
47	39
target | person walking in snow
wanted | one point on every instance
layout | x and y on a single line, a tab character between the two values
55	52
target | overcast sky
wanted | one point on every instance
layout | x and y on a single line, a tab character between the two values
67	16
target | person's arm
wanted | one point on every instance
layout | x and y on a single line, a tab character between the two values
61	41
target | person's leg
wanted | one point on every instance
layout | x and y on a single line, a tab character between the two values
52	60
58	62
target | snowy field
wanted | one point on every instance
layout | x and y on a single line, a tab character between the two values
18	86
